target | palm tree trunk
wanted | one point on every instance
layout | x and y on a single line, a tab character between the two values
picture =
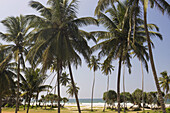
118	82
107	90
142	85
72	81
124	86
29	103
0	103
18	74
58	87
152	62
92	92
108	83
24	104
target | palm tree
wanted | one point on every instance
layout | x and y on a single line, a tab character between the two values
7	83
107	69
164	81
64	80
164	7
32	83
117	43
71	91
58	38
115	40
17	34
94	64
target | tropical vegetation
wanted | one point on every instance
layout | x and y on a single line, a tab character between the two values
54	40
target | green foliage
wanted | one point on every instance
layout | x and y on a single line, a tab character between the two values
94	63
110	97
128	97
164	81
70	90
137	97
64	79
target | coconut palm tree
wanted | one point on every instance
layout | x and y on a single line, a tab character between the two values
32	83
7	83
164	81
17	34
115	40
71	91
58	38
107	69
93	64
117	43
163	6
64	80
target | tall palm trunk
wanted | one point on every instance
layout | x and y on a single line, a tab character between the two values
0	103
92	92
142	85
124	86
29	100
107	91
58	87
18	74
152	61
25	100
118	82
75	93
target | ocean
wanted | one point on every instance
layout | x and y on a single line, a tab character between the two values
96	100
98	103
86	101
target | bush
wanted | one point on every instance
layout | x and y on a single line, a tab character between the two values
168	110
136	109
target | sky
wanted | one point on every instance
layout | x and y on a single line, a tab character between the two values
83	75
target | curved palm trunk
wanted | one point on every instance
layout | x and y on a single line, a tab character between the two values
124	86
92	92
107	90
152	62
29	103
72	81
18	73
118	82
142	85
0	103
25	100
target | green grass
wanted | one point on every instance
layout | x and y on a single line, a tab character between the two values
71	110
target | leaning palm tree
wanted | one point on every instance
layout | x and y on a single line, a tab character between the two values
164	7
32	84
6	75
107	69
58	38
164	81
118	42
17	34
94	64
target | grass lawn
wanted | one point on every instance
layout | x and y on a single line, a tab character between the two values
69	110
